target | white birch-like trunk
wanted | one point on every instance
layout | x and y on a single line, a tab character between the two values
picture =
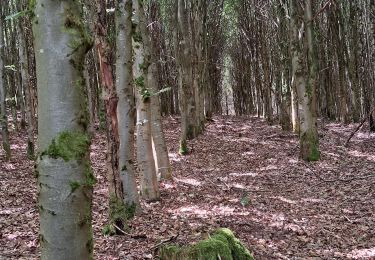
162	163
65	177
145	158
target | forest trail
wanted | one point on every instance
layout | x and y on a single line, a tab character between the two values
242	174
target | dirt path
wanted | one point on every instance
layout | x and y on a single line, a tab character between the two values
241	174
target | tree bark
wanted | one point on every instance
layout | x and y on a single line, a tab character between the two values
126	106
65	178
303	64
3	112
145	158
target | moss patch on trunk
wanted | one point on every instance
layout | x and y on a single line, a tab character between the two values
69	146
309	147
222	244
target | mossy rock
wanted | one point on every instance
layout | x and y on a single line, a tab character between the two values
222	244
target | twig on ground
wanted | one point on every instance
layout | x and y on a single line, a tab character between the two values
128	234
164	241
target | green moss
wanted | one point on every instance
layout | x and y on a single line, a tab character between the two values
74	185
309	147
183	147
239	251
109	230
31	8
210	249
130	210
69	146
140	82
142	66
171	252
90	245
221	245
137	36
117	215
89	174
315	154
146	94
117	208
80	43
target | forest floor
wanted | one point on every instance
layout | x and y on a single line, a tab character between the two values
242	174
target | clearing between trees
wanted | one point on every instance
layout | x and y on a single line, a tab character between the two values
241	174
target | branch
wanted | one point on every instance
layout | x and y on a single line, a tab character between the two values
128	234
164	241
358	127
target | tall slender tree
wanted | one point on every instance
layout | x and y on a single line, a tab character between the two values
163	167
304	77
126	107
142	62
65	178
3	112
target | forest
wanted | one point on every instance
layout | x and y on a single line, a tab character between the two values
187	129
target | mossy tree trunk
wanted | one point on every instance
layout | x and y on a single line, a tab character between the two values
65	178
304	77
126	106
3	112
142	62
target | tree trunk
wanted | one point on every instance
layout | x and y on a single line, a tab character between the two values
117	214
26	87
145	158
163	167
305	85
126	106
3	112
65	178
184	60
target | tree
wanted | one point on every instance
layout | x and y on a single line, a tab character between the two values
117	211
160	149
65	178
126	106
25	77
142	62
304	77
3	112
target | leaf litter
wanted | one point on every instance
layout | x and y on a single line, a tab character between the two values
240	173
